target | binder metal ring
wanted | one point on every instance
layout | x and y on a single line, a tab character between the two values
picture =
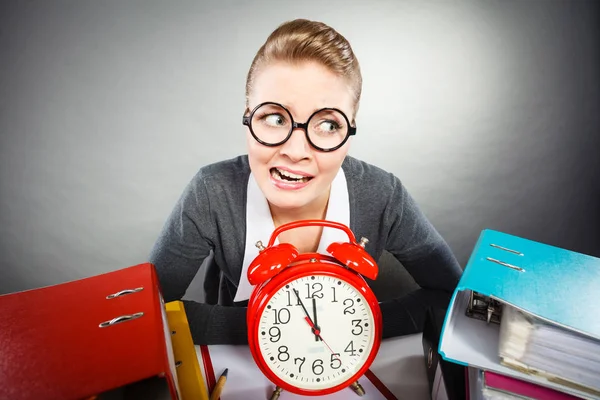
124	292
504	264
506	249
429	357
122	318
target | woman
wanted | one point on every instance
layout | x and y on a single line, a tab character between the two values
302	95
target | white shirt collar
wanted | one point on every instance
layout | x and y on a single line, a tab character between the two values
259	225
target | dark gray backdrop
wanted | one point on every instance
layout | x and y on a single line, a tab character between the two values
488	111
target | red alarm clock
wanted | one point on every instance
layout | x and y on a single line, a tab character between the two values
314	325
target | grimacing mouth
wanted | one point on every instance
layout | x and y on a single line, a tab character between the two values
288	176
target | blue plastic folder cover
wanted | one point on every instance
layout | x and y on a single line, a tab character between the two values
556	285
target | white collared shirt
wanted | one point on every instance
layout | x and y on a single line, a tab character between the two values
260	226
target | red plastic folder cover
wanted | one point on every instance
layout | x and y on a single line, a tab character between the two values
84	337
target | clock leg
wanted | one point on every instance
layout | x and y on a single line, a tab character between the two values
357	388
276	393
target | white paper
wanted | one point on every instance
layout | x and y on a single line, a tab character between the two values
399	365
476	343
169	344
548	348
246	381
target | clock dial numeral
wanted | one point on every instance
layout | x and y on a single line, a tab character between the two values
349	303
283	355
350	349
317	287
335	361
317	367
357	327
316	332
301	363
291	296
275	334
282	317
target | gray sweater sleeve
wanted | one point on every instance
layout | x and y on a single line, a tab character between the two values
185	241
414	241
207	218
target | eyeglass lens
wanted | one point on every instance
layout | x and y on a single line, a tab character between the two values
272	124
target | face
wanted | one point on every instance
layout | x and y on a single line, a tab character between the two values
302	89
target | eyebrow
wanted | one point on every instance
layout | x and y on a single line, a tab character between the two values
291	109
350	115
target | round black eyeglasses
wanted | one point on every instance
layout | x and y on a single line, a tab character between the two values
271	124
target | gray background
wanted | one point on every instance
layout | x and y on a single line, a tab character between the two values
488	111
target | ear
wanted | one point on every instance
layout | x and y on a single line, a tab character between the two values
354	257
270	262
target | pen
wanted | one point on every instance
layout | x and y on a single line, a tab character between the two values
216	393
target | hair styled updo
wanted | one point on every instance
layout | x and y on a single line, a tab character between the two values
304	40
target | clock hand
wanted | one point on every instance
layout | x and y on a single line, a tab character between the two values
318	333
314	301
330	349
315	328
308	319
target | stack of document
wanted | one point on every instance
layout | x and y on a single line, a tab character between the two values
541	348
525	319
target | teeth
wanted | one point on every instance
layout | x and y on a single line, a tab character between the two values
279	174
289	174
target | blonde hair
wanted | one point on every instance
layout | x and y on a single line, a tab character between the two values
304	40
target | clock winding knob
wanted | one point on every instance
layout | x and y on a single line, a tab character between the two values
260	245
357	388
276	393
363	242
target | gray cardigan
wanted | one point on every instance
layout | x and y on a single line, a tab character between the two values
208	223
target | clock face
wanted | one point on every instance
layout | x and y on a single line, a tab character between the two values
332	352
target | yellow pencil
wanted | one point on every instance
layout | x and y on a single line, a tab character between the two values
216	393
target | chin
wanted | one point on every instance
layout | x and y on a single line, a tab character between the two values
286	198
288	201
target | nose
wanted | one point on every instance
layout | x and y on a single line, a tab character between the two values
297	147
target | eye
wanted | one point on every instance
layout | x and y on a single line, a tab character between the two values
329	126
274	120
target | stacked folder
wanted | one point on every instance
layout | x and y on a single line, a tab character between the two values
525	321
446	379
102	337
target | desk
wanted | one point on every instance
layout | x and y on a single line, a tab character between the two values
399	365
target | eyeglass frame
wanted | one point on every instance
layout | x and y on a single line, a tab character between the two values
247	121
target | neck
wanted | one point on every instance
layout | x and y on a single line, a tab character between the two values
314	210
